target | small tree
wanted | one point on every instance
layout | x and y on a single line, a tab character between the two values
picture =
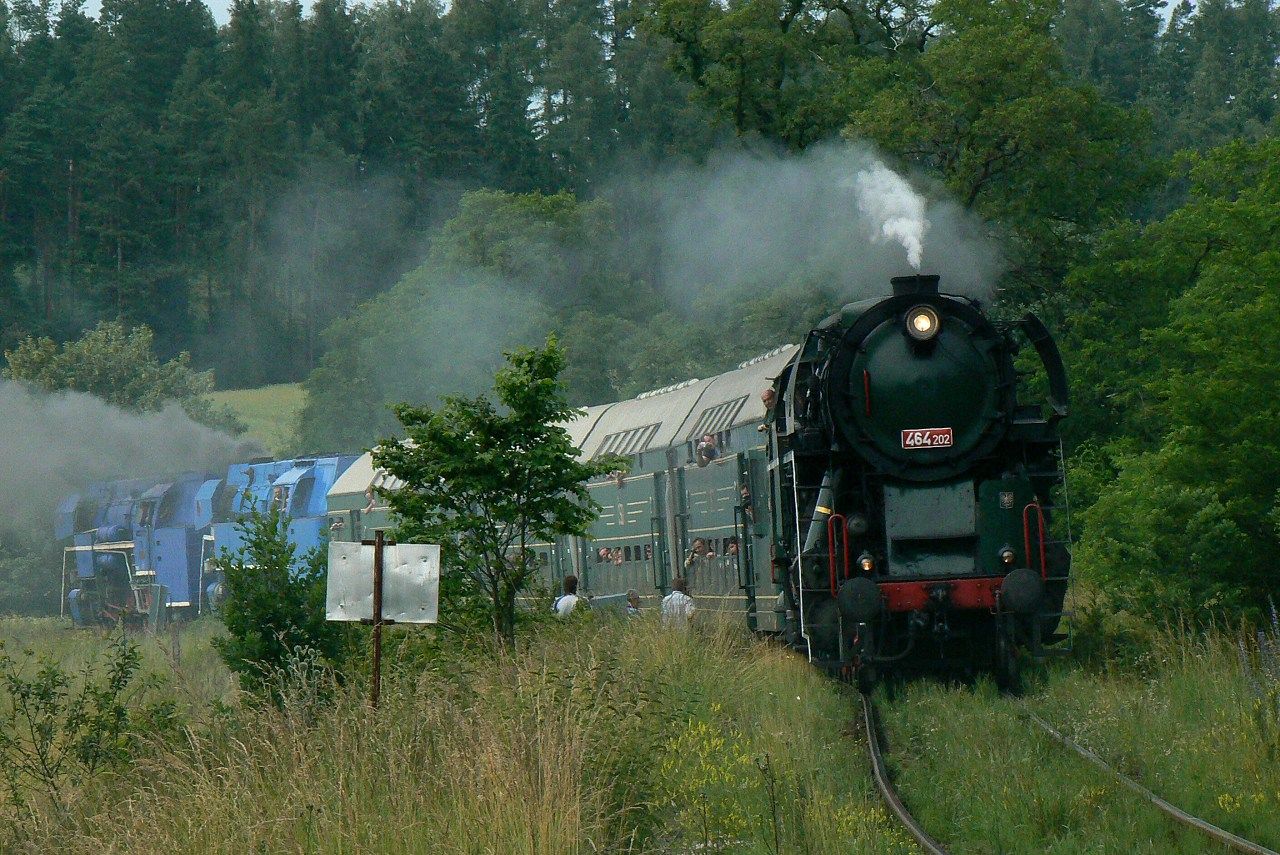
486	482
272	609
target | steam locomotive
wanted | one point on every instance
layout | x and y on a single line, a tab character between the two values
142	549
915	489
881	496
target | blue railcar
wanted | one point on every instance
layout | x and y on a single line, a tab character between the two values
298	487
168	536
248	487
98	524
144	548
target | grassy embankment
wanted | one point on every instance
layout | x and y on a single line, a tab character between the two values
597	737
622	737
1194	720
270	412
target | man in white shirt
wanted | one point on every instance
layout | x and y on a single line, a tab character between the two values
677	607
568	601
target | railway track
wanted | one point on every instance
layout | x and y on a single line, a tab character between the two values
871	721
929	844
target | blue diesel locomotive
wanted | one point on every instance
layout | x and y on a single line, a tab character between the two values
142	549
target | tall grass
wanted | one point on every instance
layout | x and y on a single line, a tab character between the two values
182	656
597	736
1197	724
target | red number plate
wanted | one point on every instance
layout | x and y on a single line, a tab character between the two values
927	438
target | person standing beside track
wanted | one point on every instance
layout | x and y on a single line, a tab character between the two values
677	607
568	601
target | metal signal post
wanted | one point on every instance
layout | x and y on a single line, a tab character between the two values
375	685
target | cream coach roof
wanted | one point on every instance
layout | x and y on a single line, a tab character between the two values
648	421
674	415
657	419
349	490
719	408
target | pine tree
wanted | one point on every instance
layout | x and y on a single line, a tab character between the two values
497	47
246	66
580	109
155	37
412	89
329	63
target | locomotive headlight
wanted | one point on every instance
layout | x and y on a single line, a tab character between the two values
922	323
868	563
1006	555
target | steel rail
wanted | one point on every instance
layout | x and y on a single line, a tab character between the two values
887	791
1222	836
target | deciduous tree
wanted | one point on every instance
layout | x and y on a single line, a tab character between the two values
488	479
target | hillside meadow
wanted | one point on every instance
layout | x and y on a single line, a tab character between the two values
270	413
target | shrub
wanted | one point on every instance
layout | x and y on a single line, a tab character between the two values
56	729
274	610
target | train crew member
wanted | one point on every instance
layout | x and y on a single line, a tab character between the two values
568	601
677	607
769	397
633	603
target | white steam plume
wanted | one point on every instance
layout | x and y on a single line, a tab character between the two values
834	215
885	197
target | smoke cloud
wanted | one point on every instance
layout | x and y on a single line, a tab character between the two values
835	215
57	444
831	225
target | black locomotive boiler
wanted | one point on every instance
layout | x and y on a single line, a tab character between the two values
913	488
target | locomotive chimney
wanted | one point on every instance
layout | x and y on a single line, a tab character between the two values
917	284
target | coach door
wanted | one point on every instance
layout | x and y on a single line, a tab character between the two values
712	551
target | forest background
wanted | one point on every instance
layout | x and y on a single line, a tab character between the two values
377	200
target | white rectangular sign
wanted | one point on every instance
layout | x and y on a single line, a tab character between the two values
410	582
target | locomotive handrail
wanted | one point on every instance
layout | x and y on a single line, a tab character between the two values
739	513
1026	536
831	547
